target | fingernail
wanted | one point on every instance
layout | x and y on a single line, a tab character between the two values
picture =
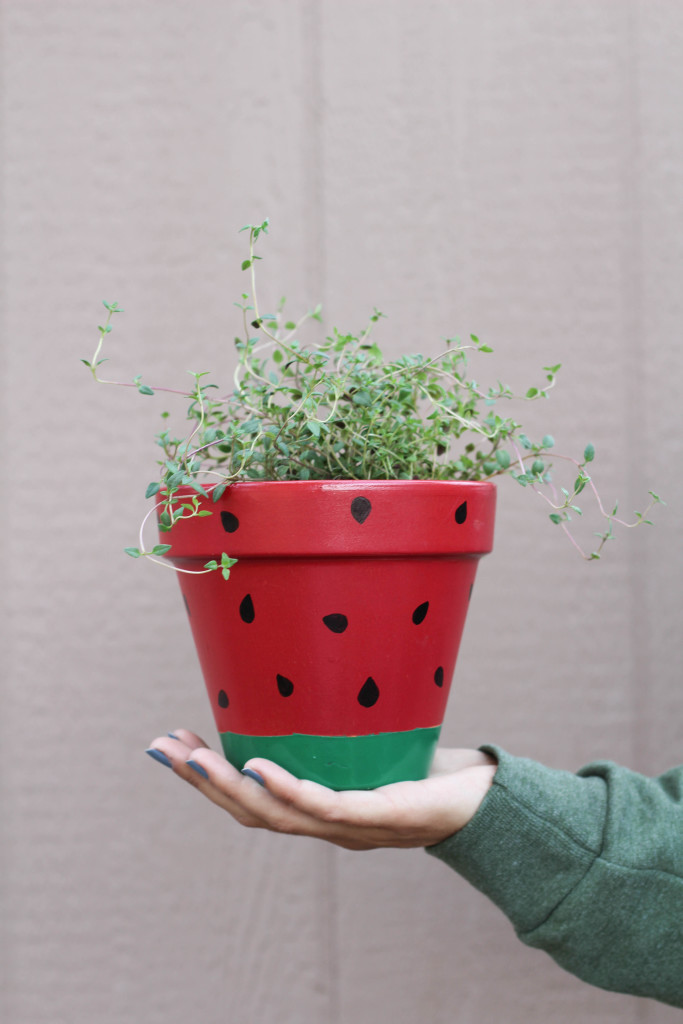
254	775
198	768
160	757
172	735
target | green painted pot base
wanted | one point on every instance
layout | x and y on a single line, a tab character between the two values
341	762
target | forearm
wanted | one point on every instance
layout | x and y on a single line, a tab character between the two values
588	867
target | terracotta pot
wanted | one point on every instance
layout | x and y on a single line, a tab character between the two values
332	646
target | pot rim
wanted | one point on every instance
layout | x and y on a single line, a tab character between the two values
335	518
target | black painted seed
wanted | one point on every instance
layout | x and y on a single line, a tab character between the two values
361	509
187	606
230	522
247	613
438	676
368	693
223	701
336	622
420	613
461	513
285	685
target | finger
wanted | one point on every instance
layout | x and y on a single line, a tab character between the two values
243	798
184	759
354	808
254	805
221	783
190	739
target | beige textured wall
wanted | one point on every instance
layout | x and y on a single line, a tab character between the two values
511	168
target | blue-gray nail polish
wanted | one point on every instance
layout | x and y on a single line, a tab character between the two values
160	757
250	773
172	735
198	768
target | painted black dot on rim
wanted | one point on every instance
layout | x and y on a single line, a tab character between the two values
368	693
336	622
461	513
187	606
230	522
420	613
438	676
361	508
469	596
223	701
247	613
285	685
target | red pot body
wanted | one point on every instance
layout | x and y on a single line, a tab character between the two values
332	646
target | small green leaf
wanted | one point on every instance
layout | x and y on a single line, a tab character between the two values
589	453
213	564
245	266
89	365
362	398
555	518
503	459
133	552
250	427
145	389
548	441
532	392
152	489
161	549
226	565
196	487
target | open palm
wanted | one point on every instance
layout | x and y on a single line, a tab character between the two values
402	814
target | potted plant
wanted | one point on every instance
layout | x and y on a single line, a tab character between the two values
346	499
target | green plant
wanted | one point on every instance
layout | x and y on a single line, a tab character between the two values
340	410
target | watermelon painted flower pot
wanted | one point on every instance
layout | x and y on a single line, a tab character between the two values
331	648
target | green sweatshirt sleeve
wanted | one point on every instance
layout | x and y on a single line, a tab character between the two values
588	867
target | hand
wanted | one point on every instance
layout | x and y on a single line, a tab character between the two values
402	814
